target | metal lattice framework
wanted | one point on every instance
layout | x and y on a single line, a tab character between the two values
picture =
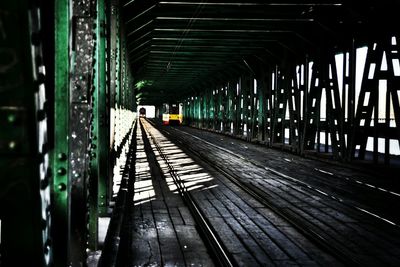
303	109
93	114
282	73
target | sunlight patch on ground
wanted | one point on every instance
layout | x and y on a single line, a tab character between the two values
144	188
191	175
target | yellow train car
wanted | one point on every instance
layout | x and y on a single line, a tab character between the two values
172	114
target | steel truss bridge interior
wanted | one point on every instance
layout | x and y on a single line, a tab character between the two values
318	78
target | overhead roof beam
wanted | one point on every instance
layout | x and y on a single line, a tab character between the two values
311	3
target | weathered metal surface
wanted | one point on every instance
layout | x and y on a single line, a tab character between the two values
60	164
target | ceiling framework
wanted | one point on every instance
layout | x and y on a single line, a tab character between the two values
177	47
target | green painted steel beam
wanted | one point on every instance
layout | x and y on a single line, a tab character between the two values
61	180
99	144
101	110
24	182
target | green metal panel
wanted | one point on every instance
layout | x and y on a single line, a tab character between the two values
98	177
102	110
230	106
83	188
61	179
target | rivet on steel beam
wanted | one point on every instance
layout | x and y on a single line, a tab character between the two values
12	145
62	187
61	171
11	118
61	156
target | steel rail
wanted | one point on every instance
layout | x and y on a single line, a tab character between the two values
218	249
304	184
320	238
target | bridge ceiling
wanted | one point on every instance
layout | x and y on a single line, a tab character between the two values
177	47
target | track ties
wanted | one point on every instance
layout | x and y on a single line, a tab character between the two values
219	251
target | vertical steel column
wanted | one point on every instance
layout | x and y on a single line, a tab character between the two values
215	118
274	104
305	106
200	111
112	17
263	98
82	84
343	123
351	101
270	103
61	175
220	109
100	132
98	135
231	106
238	111
393	82
226	109
334	110
281	86
204	109
312	117
253	110
24	157
293	101
245	90
197	100
213	111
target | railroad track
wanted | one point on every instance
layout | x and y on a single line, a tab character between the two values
317	237
317	190
209	235
361	182
312	232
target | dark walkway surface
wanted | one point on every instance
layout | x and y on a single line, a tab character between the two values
266	207
160	229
